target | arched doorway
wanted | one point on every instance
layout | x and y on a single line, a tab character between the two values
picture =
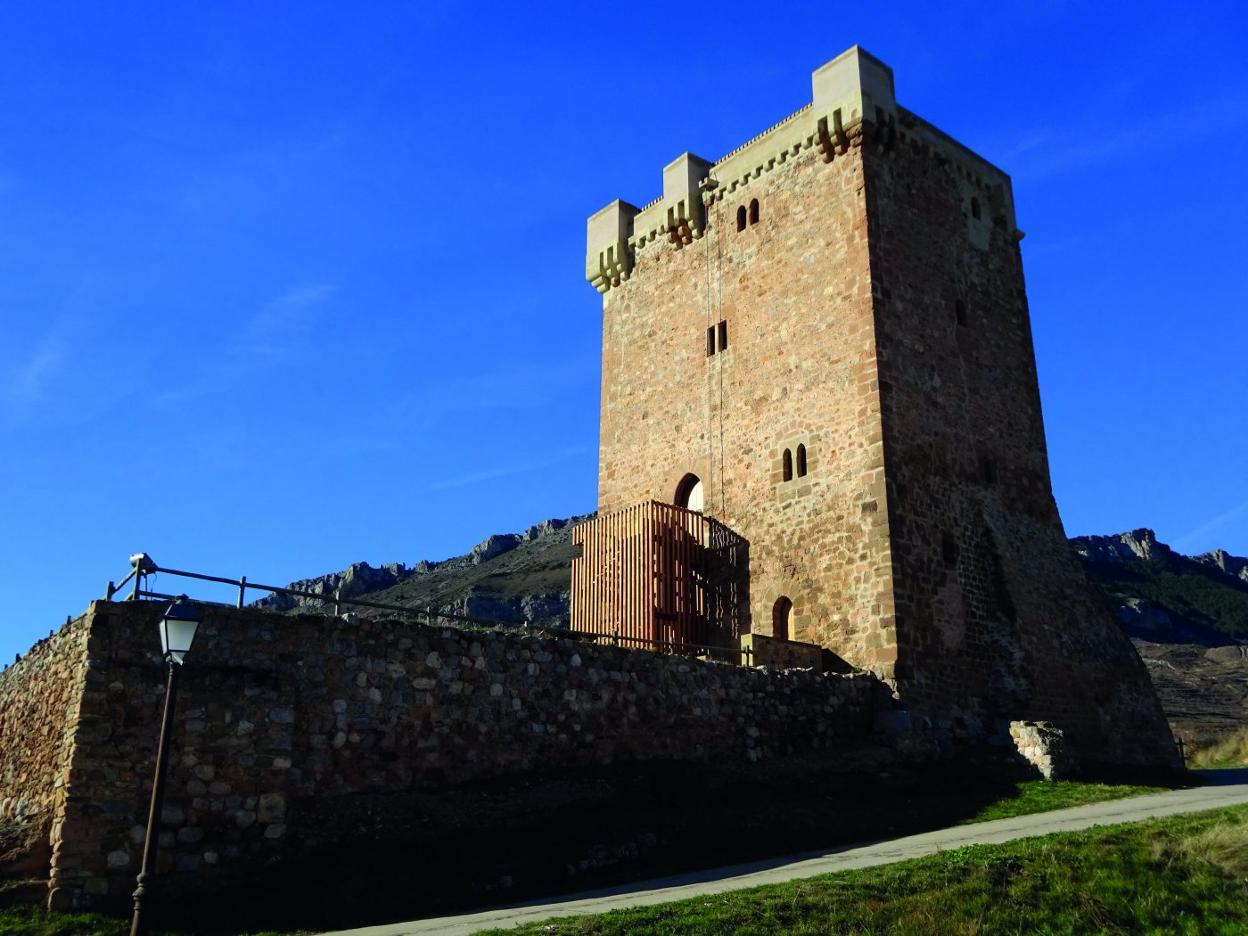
782	618
689	493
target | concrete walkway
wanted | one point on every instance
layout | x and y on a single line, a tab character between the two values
1226	789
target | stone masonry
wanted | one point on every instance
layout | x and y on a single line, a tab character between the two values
282	722
864	269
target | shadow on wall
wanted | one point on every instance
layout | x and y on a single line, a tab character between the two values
554	833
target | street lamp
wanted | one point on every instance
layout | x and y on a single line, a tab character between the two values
177	631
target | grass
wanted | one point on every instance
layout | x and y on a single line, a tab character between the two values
1180	875
34	921
380	883
1034	796
1227	751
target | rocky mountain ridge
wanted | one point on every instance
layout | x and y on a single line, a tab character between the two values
1162	595
519	577
1188	619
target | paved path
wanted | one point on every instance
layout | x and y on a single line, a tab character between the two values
775	871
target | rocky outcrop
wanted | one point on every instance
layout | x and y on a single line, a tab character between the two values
514	577
1123	547
1234	566
1188	618
356	580
1160	594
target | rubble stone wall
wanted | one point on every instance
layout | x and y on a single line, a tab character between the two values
996	619
39	695
280	717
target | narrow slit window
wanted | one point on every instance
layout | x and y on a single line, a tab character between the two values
741	218
710	340
949	550
959	312
987	469
753	211
975	208
786	469
801	461
723	335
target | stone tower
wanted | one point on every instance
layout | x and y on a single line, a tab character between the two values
822	340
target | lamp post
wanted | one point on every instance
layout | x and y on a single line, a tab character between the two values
177	631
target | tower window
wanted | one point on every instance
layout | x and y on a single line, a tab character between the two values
987	469
975	208
801	461
716	338
741	218
753	211
787	465
959	312
949	550
782	618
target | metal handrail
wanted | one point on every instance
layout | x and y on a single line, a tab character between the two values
142	565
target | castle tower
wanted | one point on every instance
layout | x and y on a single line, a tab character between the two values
822	341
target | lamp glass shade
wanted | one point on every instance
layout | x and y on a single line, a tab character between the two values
177	630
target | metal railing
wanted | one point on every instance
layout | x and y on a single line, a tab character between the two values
142	565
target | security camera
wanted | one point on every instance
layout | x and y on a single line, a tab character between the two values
143	563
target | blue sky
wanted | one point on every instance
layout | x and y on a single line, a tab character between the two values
285	286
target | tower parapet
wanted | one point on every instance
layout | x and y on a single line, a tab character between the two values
853	89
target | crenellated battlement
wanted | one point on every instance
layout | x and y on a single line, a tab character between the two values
853	89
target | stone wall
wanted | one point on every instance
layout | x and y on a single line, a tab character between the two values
1042	746
799	368
761	650
280	718
996	619
39	697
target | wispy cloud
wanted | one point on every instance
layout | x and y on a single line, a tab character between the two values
277	333
1194	537
33	375
283	320
507	469
1042	154
503	390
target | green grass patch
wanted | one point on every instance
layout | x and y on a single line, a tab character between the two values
1034	796
1179	875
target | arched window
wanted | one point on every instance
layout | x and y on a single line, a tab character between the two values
975	208
801	461
787	467
689	493
741	218
782	618
959	311
753	211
